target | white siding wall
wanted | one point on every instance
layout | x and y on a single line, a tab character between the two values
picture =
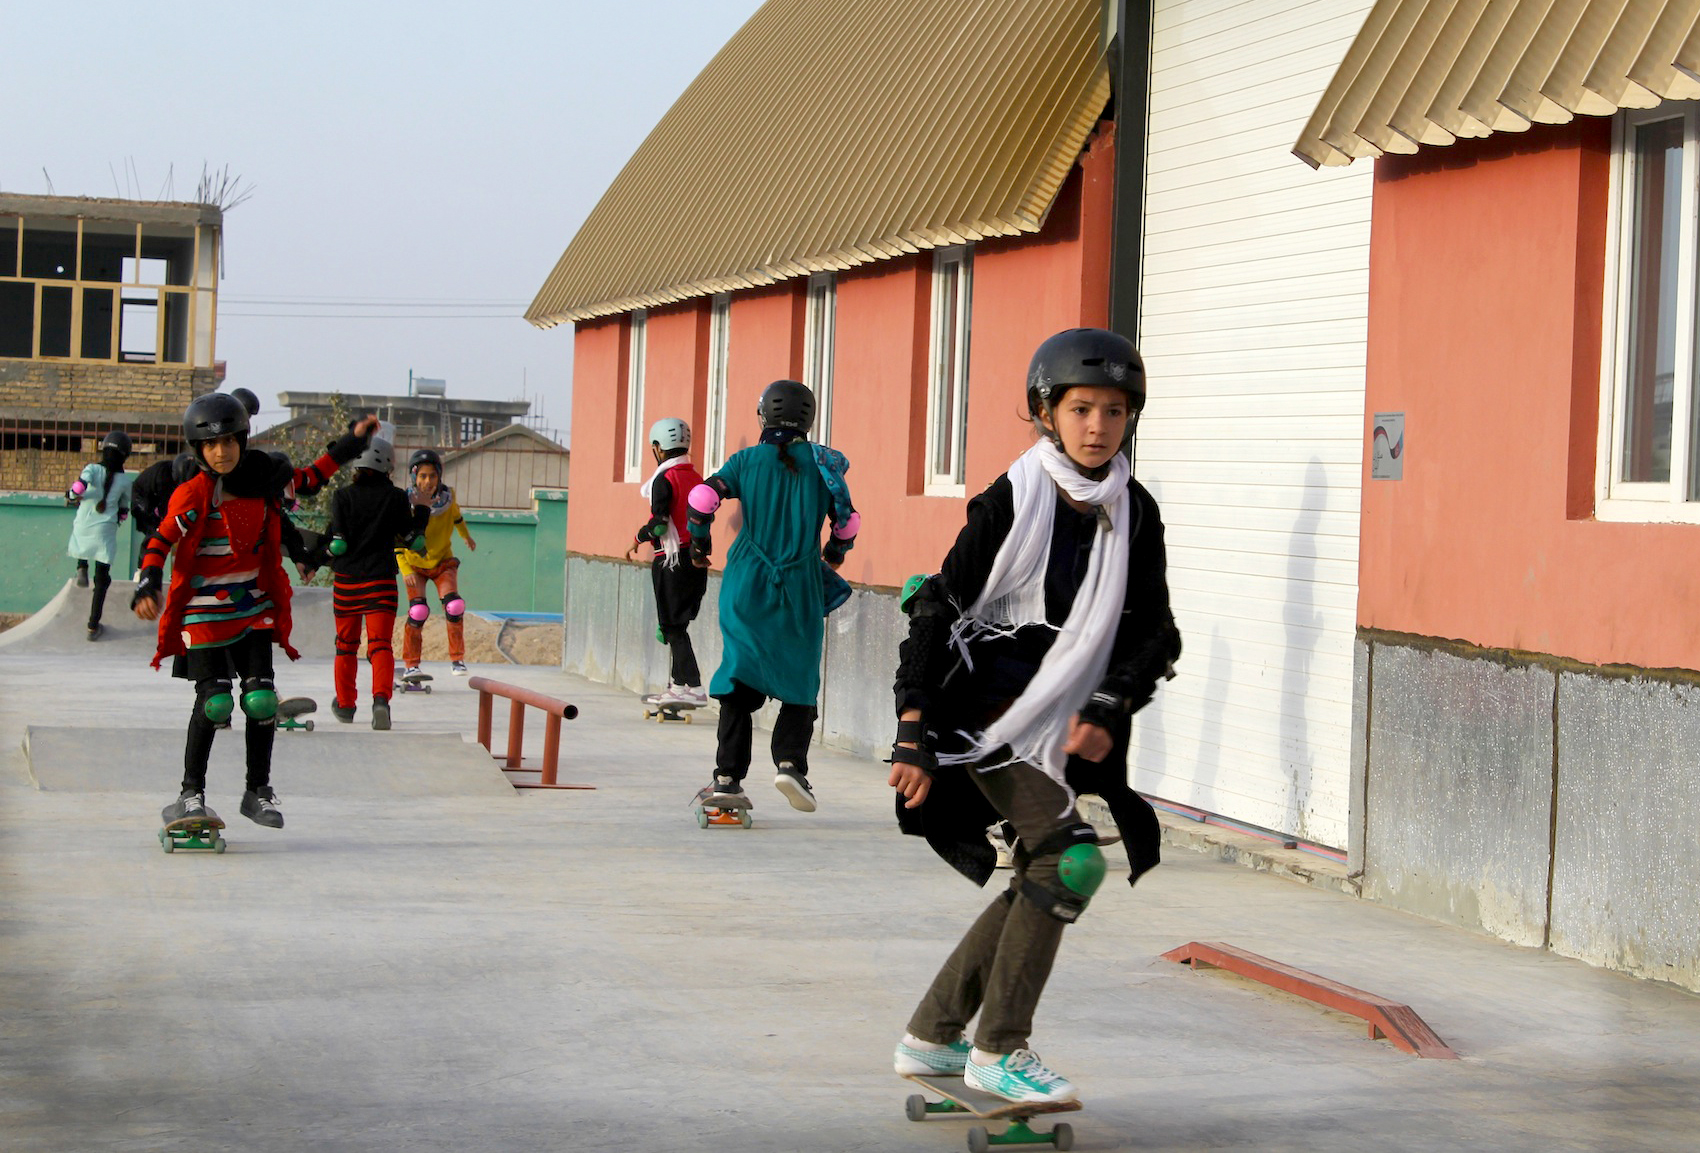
1255	299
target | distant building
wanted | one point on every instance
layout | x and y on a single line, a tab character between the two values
502	469
435	421
108	318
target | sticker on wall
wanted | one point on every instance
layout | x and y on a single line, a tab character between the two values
1387	446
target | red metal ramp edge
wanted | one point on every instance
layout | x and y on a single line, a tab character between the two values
1390	1019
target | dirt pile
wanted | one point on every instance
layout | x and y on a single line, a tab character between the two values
527	644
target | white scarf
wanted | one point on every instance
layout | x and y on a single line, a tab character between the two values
1036	725
669	543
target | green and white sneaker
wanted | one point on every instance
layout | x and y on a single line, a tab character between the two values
928	1059
1017	1076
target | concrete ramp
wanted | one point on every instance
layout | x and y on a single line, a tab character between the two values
317	764
61	626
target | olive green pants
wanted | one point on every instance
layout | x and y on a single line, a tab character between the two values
1000	966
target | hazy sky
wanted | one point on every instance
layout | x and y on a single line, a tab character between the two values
417	168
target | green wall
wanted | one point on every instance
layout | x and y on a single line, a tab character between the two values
519	565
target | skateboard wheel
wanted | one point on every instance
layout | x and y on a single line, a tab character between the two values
1063	1136
308	725
916	1107
218	845
745	819
978	1141
165	842
702	817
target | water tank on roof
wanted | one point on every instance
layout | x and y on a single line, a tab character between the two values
426	386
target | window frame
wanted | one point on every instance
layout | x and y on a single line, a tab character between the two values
1676	500
820	322
713	453
636	345
957	261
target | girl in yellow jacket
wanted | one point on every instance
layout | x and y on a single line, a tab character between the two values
437	564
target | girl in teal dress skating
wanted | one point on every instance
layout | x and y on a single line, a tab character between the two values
101	495
776	589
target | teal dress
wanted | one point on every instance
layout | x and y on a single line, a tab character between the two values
771	596
94	534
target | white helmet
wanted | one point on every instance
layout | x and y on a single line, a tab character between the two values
670	433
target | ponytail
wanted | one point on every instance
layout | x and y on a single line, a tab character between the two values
112	464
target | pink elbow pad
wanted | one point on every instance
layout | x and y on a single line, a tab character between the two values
849	528
704	499
78	488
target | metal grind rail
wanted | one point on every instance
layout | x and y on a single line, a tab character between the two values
554	711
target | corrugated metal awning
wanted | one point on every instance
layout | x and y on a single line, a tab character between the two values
1431	71
830	133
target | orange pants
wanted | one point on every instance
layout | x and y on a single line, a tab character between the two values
370	605
448	589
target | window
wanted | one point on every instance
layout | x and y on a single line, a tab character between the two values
818	320
1649	457
713	440
105	290
947	384
471	428
634	397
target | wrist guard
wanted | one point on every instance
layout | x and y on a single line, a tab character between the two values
147	586
1105	708
346	447
920	756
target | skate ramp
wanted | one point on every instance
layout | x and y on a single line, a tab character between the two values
316	764
61	625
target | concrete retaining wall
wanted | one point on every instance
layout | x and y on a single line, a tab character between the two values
1545	802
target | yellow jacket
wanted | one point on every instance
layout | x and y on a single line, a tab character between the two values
445	520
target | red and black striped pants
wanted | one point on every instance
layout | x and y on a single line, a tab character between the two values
368	605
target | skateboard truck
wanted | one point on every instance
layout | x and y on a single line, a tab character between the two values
290	712
726	811
193	833
669	711
958	1101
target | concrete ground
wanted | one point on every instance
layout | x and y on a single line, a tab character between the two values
421	961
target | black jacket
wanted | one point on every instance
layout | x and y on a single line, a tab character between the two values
932	677
373	516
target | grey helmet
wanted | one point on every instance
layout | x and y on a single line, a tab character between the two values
1090	357
378	455
670	433
787	404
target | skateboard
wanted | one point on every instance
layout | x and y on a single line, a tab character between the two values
414	683
672	711
959	1098
291	710
726	811
193	833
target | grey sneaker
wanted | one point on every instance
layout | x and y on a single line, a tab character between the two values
345	715
185	806
260	806
1018	1076
723	786
380	713
795	786
925	1059
458	668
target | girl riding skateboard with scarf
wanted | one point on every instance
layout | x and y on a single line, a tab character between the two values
1046	627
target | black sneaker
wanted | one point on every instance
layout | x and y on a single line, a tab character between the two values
795	786
188	805
724	786
260	806
95	630
380	713
346	716
82	578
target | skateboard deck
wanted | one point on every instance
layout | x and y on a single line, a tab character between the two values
414	683
193	833
672	711
726	811
960	1099
290	712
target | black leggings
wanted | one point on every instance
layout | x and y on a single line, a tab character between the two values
792	731
102	582
223	669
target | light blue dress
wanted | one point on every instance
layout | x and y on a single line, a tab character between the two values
94	534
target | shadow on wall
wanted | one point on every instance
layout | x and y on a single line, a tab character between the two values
1303	624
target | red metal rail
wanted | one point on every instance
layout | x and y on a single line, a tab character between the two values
554	711
1390	1019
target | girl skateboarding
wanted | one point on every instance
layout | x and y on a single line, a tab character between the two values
1046	627
102	496
775	591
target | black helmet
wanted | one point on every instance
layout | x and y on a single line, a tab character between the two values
424	456
183	467
1093	357
248	399
118	442
211	416
787	404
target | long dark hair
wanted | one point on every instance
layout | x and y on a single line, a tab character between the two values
113	462
782	439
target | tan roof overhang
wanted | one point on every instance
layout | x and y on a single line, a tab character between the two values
1430	71
830	133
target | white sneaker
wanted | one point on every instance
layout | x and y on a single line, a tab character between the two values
682	695
929	1059
1017	1076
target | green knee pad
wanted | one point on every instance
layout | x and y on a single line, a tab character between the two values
1081	869
261	705
218	708
910	588
338	546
